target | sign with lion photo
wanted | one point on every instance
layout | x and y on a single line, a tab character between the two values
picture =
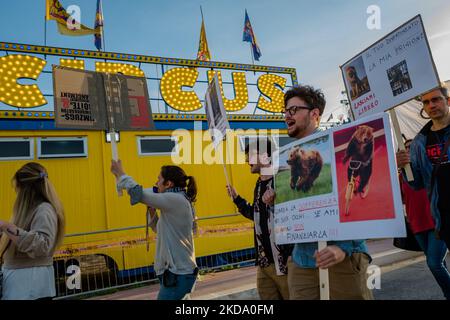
340	184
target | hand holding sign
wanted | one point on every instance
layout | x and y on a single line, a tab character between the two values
403	158
117	169
269	196
329	256
232	192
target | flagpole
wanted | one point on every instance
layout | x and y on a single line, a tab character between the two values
103	26
103	39
253	61
45	30
201	11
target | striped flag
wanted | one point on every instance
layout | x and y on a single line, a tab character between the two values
249	36
98	26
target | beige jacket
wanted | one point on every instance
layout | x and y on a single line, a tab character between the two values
35	247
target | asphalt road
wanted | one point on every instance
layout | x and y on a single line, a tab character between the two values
414	282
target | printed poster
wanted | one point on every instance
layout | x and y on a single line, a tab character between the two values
340	184
394	70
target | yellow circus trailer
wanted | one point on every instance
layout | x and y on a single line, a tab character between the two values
106	243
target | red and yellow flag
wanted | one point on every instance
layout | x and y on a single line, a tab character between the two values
67	25
203	50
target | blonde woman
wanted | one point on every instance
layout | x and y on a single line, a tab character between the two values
27	243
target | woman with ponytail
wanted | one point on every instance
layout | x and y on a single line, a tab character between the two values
174	195
28	242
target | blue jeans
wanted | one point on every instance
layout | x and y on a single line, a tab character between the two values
435	250
176	286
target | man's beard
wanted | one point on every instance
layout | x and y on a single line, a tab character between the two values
299	129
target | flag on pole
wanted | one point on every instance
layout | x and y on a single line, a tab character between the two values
203	53
67	25
249	36
98	26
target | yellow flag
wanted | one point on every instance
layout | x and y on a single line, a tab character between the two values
67	25
203	50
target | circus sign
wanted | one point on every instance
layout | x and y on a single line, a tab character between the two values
178	86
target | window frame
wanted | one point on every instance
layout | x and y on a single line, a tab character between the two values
175	139
65	155
19	139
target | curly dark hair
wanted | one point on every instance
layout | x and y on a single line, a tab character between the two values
314	98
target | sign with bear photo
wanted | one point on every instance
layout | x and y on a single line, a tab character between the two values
396	69
340	184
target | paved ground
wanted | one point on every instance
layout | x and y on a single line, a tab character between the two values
414	282
239	284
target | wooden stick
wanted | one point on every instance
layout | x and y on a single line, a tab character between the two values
114	152
401	144
323	277
225	164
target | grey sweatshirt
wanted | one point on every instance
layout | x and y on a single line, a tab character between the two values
35	247
174	242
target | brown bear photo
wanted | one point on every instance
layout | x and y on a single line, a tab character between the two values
360	153
305	168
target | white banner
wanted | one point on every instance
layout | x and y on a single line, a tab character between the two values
215	112
394	70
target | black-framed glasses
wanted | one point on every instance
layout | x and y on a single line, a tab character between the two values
434	100
293	110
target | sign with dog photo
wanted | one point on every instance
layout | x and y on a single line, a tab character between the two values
396	69
340	184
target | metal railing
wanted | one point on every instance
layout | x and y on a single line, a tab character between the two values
81	275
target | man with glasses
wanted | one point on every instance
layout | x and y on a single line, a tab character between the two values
347	261
429	159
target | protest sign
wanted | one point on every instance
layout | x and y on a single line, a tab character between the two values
340	184
215	112
97	101
79	99
394	70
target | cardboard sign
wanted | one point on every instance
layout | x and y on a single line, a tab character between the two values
215	112
394	70
79	99
340	184
128	102
92	100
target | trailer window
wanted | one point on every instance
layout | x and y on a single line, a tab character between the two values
67	147
157	146
16	149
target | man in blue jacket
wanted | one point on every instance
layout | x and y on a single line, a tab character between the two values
347	261
429	158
